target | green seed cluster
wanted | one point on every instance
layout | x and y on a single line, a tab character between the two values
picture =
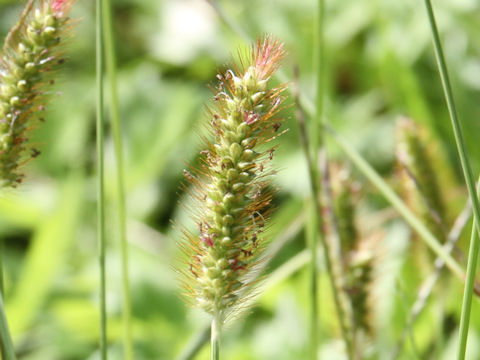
345	209
420	180
358	282
231	184
358	253
28	58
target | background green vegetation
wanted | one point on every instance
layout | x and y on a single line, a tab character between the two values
379	65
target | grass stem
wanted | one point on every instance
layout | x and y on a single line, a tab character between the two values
111	66
469	288
100	178
316	193
2	251
312	236
467	294
469	180
215	338
317	140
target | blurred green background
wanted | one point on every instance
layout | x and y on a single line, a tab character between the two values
380	65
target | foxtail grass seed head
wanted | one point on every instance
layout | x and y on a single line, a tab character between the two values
345	198
359	253
29	57
419	179
231	184
360	278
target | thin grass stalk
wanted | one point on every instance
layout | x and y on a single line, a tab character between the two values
469	180
5	332
2	250
319	61
215	332
467	295
315	189
306	104
100	121
467	299
8	352
317	140
111	66
312	236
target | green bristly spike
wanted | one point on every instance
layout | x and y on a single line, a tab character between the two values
231	187
421	184
27	64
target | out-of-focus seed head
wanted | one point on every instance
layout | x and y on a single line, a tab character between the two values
27	62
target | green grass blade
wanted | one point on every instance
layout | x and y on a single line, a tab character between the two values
468	174
111	65
8	352
100	179
468	289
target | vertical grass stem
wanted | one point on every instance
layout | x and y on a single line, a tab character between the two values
315	188
111	66
100	179
2	251
467	293
468	174
215	338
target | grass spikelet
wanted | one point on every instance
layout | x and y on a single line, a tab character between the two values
344	207
231	184
358	253
419	180
28	61
361	264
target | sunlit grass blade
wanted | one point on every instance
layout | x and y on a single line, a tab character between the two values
111	67
100	178
7	348
469	180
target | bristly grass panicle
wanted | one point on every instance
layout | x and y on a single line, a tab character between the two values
419	178
28	60
359	251
231	183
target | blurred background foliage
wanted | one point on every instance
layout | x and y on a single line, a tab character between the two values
380	65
